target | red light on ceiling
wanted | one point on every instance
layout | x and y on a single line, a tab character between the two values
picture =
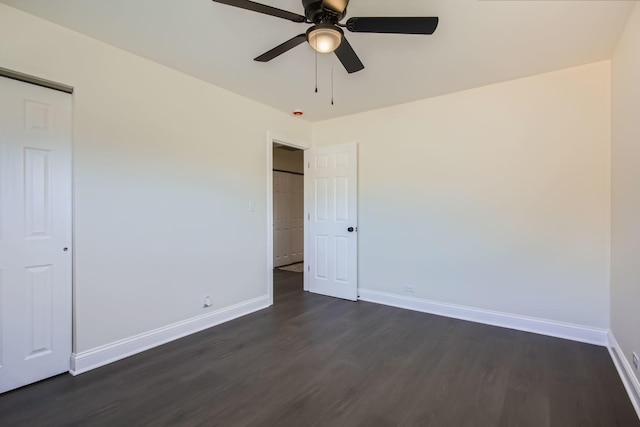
298	112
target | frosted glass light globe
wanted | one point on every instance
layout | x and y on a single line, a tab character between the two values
325	40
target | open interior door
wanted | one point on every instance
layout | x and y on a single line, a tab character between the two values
331	184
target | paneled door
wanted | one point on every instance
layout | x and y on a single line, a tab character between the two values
35	233
331	180
297	217
281	219
288	218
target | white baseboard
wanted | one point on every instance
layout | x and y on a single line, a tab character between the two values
522	323
100	356
625	371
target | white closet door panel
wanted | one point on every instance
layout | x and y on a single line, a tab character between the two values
35	229
281	219
288	224
297	218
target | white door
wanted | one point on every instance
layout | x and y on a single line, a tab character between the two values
331	180
281	219
297	217
288	218
35	233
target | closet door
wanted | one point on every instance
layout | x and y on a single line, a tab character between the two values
282	208
288	218
35	233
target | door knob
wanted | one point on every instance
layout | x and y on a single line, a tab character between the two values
350	229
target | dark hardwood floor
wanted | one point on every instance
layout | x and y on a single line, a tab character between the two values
311	360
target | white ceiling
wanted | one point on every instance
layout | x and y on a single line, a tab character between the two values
478	42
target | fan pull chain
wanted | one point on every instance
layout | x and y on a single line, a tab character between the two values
316	67
331	85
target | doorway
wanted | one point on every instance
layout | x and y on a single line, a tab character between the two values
288	218
329	219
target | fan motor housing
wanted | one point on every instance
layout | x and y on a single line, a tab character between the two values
315	13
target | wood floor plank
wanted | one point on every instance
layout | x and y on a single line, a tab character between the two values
316	361
527	401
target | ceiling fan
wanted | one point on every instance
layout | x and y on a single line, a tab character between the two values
326	34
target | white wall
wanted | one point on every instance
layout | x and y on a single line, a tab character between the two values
165	168
288	161
495	198
625	261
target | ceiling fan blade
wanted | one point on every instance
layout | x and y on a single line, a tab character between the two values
263	8
284	47
338	6
411	25
348	57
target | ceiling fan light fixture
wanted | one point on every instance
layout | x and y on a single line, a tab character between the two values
325	38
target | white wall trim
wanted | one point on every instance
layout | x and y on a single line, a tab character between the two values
269	269
630	381
522	323
100	356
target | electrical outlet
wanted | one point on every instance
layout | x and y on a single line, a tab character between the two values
206	302
636	362
409	289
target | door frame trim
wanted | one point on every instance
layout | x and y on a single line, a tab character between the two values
272	138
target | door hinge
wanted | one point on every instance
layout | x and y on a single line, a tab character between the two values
308	165
308	268
308	217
